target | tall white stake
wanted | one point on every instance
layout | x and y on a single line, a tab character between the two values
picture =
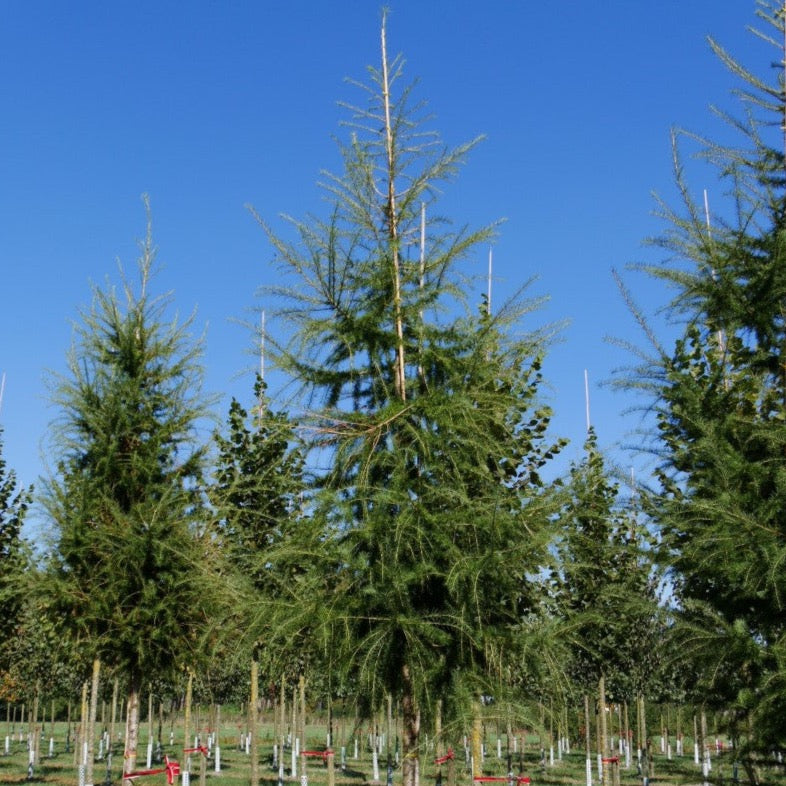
422	246
261	402
422	281
721	336
488	300
262	347
586	398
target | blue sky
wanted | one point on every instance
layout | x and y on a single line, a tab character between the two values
208	106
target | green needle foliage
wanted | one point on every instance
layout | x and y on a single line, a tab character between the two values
430	519
132	570
721	419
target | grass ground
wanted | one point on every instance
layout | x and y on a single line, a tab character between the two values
60	769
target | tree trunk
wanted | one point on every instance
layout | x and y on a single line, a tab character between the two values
79	756
410	732
587	727
392	216
252	721
35	737
132	725
477	742
302	714
187	723
113	716
282	700
439	747
91	723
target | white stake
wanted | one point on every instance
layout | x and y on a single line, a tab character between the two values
488	301
586	398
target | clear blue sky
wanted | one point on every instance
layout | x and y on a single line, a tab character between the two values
207	106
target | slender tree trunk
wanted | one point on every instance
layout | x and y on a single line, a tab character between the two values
282	700
410	731
276	720
587	727
627	732
294	725
302	719
132	724
187	722
160	730
91	723
393	226
388	727
35	737
113	715
477	739
79	746
440	748
603	737
252	721
149	713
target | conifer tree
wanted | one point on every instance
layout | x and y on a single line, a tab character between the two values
431	517
720	395
131	568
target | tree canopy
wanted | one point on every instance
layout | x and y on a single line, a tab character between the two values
132	570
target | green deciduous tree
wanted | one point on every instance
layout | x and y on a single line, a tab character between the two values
14	557
605	585
258	483
256	494
430	520
131	569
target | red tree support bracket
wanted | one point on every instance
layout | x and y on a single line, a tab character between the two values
318	754
172	770
447	757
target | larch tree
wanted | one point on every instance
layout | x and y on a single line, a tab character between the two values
721	422
133	575
430	519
